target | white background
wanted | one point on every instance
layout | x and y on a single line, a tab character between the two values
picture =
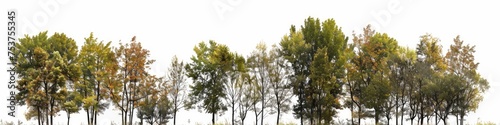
175	27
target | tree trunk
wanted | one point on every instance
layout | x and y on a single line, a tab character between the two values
402	112
461	119
98	98
262	108
352	114
359	115
278	119
232	114
39	118
213	118
175	114
52	110
47	116
68	118
141	121
396	108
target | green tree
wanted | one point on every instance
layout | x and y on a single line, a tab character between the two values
72	103
98	63
299	48
368	71
153	107
279	73
401	67
259	63
45	66
207	72
461	64
430	66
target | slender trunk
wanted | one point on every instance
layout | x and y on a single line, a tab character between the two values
421	118
175	114
39	118
131	116
142	121
461	119
213	114
278	119
352	112
51	111
402	112
47	116
376	117
436	118
98	98
47	108
262	107
95	117
301	99
232	114
88	116
68	118
213	118
359	114
397	113
256	114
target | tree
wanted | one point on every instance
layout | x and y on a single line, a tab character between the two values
233	84
324	90
44	70
430	66
460	62
258	64
247	96
99	65
72	104
208	74
401	67
279	73
176	82
369	85
155	107
299	48
133	63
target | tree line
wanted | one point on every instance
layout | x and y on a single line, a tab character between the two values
315	63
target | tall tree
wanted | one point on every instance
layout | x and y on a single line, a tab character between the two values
45	66
401	67
247	96
259	63
369	85
133	63
72	103
233	84
207	72
299	48
154	108
430	64
177	83
99	64
279	75
461	63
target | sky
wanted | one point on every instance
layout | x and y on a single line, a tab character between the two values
174	27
